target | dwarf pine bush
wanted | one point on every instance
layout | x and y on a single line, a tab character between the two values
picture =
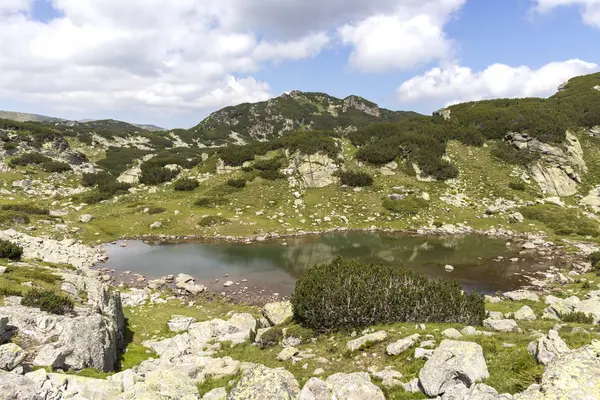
349	294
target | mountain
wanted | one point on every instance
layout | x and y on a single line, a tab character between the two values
288	113
25	117
150	128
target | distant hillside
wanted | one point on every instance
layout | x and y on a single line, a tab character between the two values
288	113
25	117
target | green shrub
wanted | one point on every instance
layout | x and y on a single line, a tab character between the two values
14	217
299	332
185	184
349	294
356	179
271	175
212	220
438	224
91	180
48	301
8	146
237	183
577	317
56	166
270	338
26	208
156	210
561	220
594	258
10	250
95	197
154	174
272	164
520	186
29	159
511	155
409	205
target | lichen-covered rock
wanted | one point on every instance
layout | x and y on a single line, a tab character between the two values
519	295
315	389
354	386
546	348
216	394
180	323
451	333
11	356
502	325
402	345
571	375
262	383
314	170
366	340
287	353
277	313
525	313
17	387
453	362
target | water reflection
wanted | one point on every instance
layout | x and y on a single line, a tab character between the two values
275	266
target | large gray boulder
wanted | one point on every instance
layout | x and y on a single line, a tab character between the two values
524	313
262	383
453	362
571	375
11	356
188	283
279	312
366	340
521	294
17	387
559	307
546	348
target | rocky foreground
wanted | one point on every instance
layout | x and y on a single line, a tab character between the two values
41	353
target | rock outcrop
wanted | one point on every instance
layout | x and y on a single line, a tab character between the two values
262	383
312	171
547	347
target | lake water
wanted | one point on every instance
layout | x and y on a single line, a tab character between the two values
275	266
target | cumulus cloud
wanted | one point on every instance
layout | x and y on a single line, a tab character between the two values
458	84
590	9
411	35
191	54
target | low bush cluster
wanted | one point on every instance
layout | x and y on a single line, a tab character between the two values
14	217
349	294
156	210
210	201
185	184
56	166
10	250
409	205
48	301
561	220
519	186
30	209
212	220
271	175
155	173
237	183
577	317
29	159
106	185
356	179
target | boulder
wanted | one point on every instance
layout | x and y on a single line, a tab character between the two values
315	389
180	323
314	170
451	333
354	386
287	353
470	331
402	345
262	383
519	295
389	378
277	313
11	356
187	283
571	375
85	218
216	394
502	325
453	362
515	218
525	313
547	347
156	225
18	387
366	340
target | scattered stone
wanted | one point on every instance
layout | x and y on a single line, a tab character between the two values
262	383
502	325
470	331
228	284
525	313
520	295
453	362
515	218
287	353
85	218
366	340
156	225
402	345
451	333
546	348
449	268
423	354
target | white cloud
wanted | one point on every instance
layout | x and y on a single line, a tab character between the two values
411	35
191	54
590	9
457	84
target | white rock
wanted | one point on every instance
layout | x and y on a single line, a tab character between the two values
451	333
547	347
366	340
502	325
277	313
402	345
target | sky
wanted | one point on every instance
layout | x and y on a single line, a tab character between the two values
173	62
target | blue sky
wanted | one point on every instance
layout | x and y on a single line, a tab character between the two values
171	64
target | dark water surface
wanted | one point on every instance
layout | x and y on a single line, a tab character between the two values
274	267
